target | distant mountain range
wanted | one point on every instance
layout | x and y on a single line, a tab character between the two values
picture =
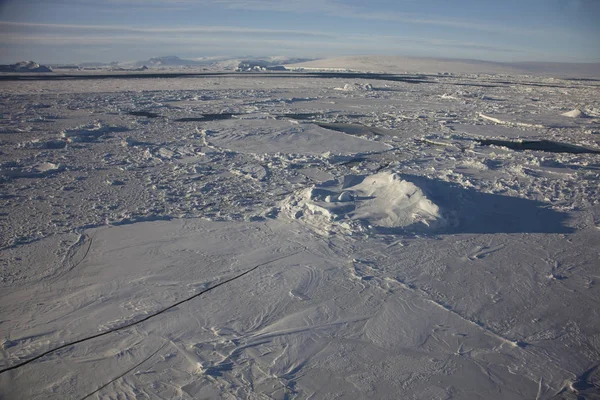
171	61
387	64
25	66
400	64
215	63
174	61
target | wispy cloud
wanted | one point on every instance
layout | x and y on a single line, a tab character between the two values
331	8
14	33
423	27
435	43
9	26
335	8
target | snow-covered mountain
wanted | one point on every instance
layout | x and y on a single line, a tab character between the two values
226	62
170	61
398	64
25	66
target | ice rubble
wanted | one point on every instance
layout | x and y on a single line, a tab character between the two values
90	132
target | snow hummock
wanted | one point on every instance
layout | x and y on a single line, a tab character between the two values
575	113
46	167
356	87
382	200
392	202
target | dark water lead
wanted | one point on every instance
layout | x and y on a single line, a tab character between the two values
541	145
207	118
316	116
146	114
355	129
303	116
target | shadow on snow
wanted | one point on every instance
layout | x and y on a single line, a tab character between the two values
471	211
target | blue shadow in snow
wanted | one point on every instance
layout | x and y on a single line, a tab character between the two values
470	211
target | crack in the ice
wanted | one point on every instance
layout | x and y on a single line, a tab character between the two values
124	373
129	325
539	145
426	296
86	252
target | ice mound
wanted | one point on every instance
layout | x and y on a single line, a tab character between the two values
15	170
356	87
392	202
90	133
46	167
383	202
44	144
576	113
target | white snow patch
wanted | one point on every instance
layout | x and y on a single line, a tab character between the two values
355	87
575	113
46	167
510	123
393	202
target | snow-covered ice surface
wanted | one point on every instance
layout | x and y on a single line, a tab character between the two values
394	239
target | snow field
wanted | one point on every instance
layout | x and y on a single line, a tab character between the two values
318	243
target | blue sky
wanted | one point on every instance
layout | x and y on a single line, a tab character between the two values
54	31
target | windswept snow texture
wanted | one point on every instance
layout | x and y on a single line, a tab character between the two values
297	237
270	136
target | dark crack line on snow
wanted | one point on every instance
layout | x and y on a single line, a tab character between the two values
87	251
426	296
124	373
22	364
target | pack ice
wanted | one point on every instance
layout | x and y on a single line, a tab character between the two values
268	235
